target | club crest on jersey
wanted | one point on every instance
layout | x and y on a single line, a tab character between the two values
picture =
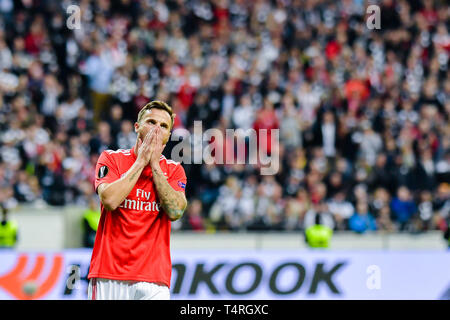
102	172
182	185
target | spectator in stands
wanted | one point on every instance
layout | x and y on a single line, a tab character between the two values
362	221
425	211
403	207
99	69
384	221
194	218
223	211
115	119
126	137
321	209
341	209
296	209
290	131
380	200
325	133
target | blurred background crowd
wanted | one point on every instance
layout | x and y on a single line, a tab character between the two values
363	113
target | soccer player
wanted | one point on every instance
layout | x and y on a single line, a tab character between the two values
141	192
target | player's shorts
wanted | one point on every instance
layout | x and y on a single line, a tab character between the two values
107	289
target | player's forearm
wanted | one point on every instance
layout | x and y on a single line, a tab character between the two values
173	202
116	192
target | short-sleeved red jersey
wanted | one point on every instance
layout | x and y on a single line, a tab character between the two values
133	241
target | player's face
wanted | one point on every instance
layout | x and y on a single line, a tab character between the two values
154	118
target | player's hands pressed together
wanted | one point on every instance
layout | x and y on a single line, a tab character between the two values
144	148
150	149
149	153
173	202
156	147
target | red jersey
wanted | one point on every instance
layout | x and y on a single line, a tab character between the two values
133	241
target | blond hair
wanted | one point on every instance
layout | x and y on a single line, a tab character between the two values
157	104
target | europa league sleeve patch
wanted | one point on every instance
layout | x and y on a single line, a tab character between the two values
102	172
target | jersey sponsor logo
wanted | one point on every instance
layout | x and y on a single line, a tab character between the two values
149	206
102	172
137	204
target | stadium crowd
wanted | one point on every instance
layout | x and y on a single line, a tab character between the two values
363	113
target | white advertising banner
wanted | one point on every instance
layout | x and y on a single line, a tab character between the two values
246	274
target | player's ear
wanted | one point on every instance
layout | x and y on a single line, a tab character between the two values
136	127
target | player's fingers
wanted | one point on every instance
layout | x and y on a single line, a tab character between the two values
155	136
145	139
159	142
151	140
151	132
154	143
160	136
149	135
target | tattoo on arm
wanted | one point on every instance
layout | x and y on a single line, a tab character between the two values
173	202
132	176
